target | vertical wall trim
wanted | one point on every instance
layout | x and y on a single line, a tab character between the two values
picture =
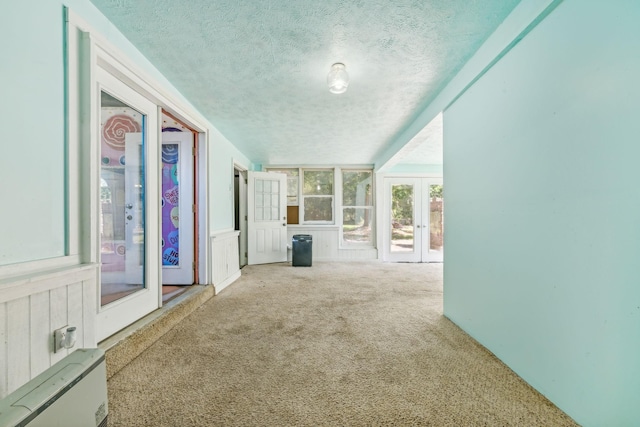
66	126
550	8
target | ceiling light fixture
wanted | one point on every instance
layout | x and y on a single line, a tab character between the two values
338	79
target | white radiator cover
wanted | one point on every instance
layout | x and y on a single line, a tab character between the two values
71	393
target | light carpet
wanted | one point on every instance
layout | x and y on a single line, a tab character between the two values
335	344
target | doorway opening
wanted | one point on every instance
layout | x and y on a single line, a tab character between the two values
179	238
414	211
240	210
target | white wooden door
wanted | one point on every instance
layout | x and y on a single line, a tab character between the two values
128	224
413	220
177	238
267	217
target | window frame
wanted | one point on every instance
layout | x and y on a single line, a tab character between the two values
371	208
284	171
303	197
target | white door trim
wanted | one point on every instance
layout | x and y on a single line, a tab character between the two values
242	200
121	313
87	49
421	219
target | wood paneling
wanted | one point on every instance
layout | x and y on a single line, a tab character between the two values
43	302
325	244
18	320
41	340
226	259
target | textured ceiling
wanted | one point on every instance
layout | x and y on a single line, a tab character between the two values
257	69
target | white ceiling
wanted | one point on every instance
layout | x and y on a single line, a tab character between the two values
257	69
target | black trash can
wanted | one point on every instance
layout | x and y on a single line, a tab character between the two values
301	252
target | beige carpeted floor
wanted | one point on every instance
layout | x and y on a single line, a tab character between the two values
336	344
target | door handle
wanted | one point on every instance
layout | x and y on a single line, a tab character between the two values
129	217
284	225
128	206
417	226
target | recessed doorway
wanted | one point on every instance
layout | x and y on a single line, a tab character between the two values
414	220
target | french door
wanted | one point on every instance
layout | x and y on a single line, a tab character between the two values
128	224
414	220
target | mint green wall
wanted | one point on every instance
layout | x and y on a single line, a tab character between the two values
543	210
32	120
221	202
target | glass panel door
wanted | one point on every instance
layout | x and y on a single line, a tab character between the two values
414	220
402	237
436	222
402	218
128	221
122	199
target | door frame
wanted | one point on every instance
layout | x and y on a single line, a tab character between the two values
421	252
88	51
118	314
241	201
183	274
274	249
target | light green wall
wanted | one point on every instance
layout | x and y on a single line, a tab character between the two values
543	210
32	172
32	120
223	155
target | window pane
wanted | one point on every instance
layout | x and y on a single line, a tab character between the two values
318	183
436	220
356	188
292	184
122	199
318	209
356	225
402	218
266	200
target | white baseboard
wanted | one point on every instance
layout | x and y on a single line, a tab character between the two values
218	287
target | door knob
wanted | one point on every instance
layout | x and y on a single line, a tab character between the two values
129	217
128	206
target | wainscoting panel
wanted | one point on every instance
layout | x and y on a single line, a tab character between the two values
226	259
31	307
326	245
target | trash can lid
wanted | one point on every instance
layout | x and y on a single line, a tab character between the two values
302	237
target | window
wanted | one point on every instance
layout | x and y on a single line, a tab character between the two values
317	196
292	184
357	207
293	179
